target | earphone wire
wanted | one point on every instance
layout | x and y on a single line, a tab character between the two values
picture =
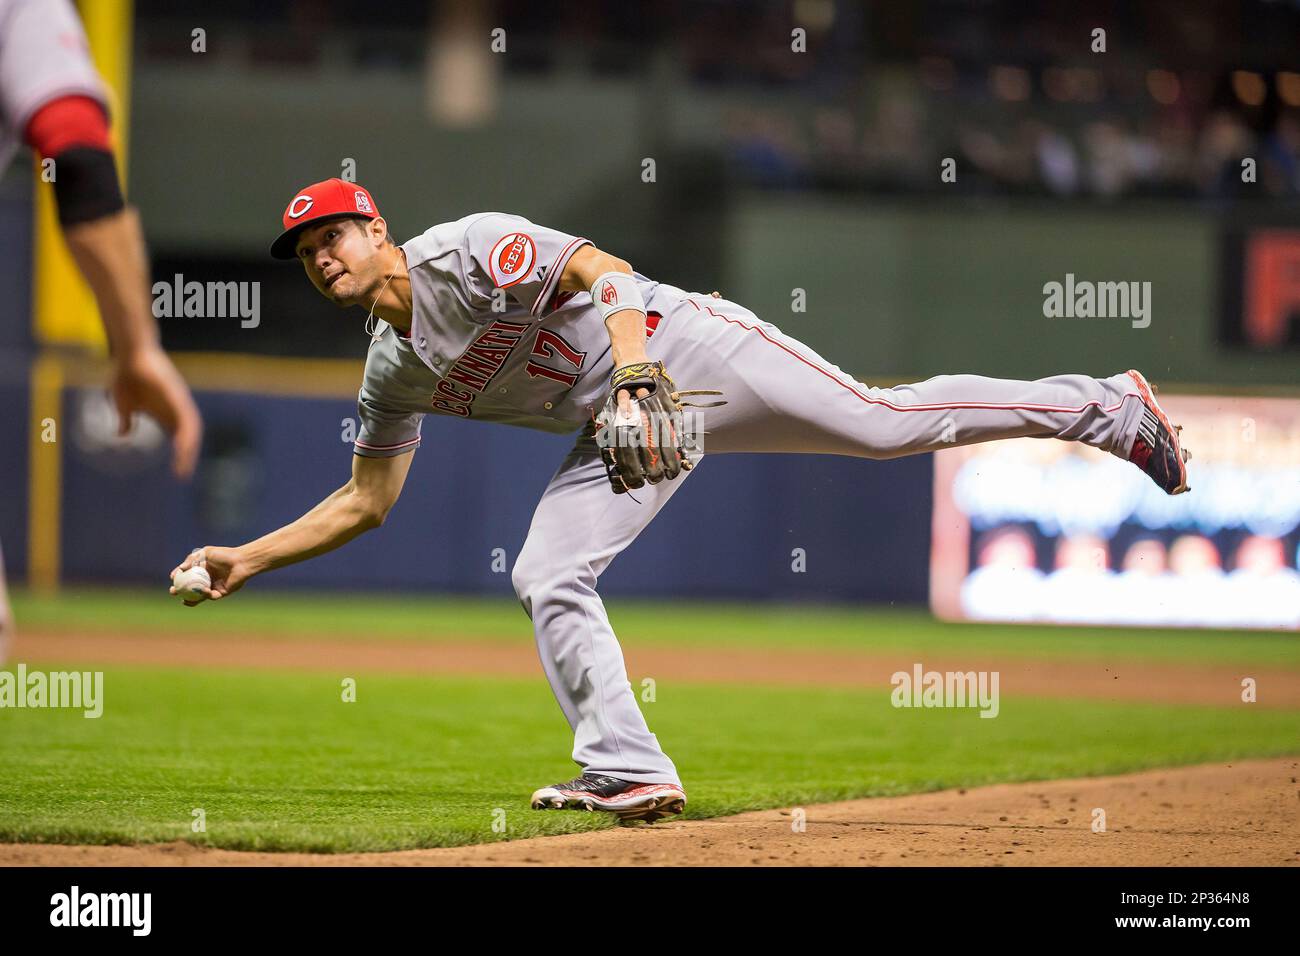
372	325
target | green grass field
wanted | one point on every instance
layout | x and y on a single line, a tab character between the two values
277	761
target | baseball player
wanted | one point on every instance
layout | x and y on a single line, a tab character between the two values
495	318
52	99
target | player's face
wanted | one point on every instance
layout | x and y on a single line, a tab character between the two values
342	260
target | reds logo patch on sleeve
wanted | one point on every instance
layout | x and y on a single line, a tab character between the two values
512	259
608	294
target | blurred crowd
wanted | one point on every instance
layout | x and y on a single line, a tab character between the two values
1033	144
1184	582
861	95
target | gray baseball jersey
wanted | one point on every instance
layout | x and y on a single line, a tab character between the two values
43	56
543	362
491	337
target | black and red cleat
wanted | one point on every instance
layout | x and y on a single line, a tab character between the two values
1157	449
632	801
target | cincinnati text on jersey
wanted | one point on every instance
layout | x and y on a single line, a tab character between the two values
475	368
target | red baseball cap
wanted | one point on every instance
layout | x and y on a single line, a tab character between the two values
320	202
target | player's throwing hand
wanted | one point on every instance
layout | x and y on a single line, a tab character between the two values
225	567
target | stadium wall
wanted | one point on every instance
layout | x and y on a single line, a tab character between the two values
738	532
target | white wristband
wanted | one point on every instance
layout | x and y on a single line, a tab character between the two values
614	291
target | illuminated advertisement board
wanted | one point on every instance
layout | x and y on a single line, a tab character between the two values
1051	531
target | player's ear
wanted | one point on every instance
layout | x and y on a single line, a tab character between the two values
378	229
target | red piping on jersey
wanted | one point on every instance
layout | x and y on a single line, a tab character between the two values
912	408
560	262
67	121
400	444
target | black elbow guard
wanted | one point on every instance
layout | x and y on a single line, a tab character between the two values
85	185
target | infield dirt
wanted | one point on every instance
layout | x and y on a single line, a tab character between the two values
1161	682
1239	814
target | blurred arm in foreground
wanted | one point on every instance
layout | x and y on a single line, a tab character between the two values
110	253
51	96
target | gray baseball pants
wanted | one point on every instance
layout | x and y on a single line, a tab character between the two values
781	397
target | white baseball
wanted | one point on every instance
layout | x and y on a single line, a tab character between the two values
192	585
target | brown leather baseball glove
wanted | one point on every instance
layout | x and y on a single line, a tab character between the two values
640	428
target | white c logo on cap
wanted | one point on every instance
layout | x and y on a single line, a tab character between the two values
294	211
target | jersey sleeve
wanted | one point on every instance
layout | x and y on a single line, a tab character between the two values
521	258
385	433
43	56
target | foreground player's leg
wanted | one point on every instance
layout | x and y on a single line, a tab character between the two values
579	527
783	396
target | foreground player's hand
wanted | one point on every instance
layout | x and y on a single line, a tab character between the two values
226	567
147	381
